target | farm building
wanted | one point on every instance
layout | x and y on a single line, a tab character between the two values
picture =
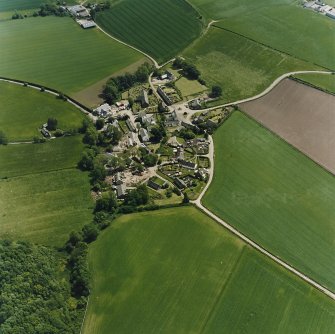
144	135
78	11
163	95
85	24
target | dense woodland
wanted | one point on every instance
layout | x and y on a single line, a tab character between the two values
34	293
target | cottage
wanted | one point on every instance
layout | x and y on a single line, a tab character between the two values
195	104
152	184
118	179
144	135
45	133
187	164
103	110
179	183
130	125
121	191
172	120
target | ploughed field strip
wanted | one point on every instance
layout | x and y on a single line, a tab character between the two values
302	116
160	28
177	271
58	53
275	195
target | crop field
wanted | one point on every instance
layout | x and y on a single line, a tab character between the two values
176	271
21	118
12	5
275	195
43	197
241	67
215	9
301	115
292	29
161	28
24	159
34	50
324	82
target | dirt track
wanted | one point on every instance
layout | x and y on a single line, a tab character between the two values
301	115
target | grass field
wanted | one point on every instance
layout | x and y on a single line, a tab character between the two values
43	197
176	271
215	9
34	49
24	159
275	195
12	5
21	118
325	82
241	67
160	28
290	28
189	88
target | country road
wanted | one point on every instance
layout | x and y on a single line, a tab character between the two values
250	242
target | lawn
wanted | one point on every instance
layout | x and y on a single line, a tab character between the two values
58	53
24	159
160	28
241	67
292	29
275	195
176	271
325	82
21	118
189	88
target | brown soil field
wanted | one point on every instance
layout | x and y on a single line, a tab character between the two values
302	116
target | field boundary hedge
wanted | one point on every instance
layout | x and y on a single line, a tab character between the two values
302	81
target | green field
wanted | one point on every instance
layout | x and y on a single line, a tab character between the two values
43	197
189	88
241	67
21	118
12	5
216	9
292	29
325	82
275	195
160	28
58	53
176	271
61	153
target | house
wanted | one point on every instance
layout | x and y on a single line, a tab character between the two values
171	119
179	183
164	96
130	125
121	191
189	126
117	178
211	124
144	135
173	142
166	76
202	174
152	184
132	139
45	133
103	110
187	164
194	104
144	99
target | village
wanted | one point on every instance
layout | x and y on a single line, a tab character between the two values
159	144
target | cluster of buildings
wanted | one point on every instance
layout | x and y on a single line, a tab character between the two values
320	7
82	16
106	110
